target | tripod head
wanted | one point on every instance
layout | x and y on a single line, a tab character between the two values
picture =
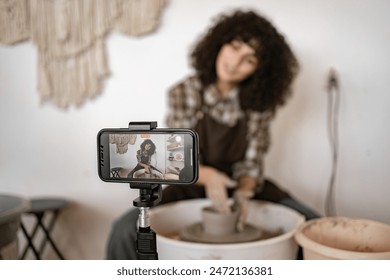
149	194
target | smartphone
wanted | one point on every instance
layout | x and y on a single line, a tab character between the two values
162	156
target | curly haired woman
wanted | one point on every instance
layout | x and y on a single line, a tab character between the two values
144	157
244	69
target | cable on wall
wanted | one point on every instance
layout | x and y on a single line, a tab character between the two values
333	89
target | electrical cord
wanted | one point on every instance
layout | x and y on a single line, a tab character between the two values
333	111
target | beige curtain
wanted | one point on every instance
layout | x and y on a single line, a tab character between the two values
70	39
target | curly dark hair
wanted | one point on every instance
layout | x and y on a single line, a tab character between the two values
270	85
152	149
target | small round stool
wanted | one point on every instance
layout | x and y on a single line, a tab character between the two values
39	207
11	209
115	172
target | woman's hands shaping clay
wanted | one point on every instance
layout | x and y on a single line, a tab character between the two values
216	184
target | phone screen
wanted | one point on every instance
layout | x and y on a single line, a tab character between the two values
150	156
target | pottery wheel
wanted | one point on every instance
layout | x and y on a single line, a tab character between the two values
195	233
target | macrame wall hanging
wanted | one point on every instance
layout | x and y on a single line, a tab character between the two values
70	39
122	141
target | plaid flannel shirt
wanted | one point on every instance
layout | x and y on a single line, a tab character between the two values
184	102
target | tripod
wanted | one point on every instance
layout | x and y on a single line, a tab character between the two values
149	195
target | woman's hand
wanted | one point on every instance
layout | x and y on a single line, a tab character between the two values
146	167
216	184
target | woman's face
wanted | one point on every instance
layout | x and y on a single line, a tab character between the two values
148	146
236	61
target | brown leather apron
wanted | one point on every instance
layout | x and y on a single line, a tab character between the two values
221	146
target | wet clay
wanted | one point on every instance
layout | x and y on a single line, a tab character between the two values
220	228
264	235
344	238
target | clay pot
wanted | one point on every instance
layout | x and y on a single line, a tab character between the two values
216	223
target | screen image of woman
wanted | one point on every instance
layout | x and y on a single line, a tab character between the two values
144	167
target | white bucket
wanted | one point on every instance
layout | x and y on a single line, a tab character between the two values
169	219
344	238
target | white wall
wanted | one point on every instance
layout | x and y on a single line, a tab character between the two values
47	151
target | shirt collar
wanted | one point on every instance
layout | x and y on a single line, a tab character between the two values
224	109
212	96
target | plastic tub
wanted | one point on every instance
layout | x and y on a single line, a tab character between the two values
344	238
169	219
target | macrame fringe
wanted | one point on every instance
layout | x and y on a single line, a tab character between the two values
139	16
63	28
70	81
69	35
122	141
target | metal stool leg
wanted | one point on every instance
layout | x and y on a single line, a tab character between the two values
50	228
47	234
39	208
30	244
